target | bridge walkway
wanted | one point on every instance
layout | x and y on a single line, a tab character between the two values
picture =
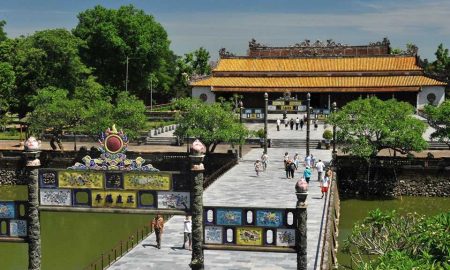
240	187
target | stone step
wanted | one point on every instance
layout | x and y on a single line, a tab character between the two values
161	140
437	146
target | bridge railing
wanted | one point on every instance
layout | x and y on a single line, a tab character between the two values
330	245
110	256
211	178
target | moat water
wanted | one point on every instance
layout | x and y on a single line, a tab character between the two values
70	241
356	210
73	240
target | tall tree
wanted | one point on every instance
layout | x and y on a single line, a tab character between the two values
3	36
126	35
439	119
46	58
200	62
7	84
366	126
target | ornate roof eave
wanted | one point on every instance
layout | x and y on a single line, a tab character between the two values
317	89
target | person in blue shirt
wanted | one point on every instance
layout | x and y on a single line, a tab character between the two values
307	174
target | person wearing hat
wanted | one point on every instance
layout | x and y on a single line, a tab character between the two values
307	174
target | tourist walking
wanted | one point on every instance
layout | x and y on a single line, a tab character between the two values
307	174
291	123
285	121
302	123
320	167
187	232
286	158
315	125
264	160
258	167
292	169
297	122
278	124
297	160
324	184
308	161
313	161
158	227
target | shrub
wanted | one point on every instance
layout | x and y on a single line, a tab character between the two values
327	134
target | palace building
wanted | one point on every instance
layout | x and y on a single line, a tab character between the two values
330	72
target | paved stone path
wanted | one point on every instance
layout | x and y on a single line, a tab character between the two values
239	187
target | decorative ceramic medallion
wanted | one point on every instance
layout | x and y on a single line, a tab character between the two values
113	145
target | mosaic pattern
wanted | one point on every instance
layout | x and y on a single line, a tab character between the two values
114	180
56	197
229	217
18	228
80	179
174	200
285	237
249	236
234	226
213	235
269	218
7	210
48	179
146	181
118	199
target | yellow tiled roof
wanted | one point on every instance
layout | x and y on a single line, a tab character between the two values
398	63
303	82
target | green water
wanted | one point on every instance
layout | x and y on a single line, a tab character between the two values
70	241
356	210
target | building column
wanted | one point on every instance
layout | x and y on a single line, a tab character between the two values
329	101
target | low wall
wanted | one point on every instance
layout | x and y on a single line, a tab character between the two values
12	163
392	177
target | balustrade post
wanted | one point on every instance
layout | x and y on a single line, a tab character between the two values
31	155
197	169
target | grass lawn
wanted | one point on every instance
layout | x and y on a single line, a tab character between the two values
9	136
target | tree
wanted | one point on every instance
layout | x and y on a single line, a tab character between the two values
439	119
7	84
112	36
190	65
47	58
54	112
385	240
366	126
200	62
3	36
210	123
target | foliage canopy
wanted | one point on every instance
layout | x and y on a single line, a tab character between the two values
366	126
439	119
210	123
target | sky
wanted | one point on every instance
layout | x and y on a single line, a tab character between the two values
231	24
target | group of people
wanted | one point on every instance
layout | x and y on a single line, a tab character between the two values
261	164
158	228
291	165
297	122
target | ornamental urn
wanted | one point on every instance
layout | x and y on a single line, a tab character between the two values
301	186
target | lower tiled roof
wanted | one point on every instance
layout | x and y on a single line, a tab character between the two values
318	82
